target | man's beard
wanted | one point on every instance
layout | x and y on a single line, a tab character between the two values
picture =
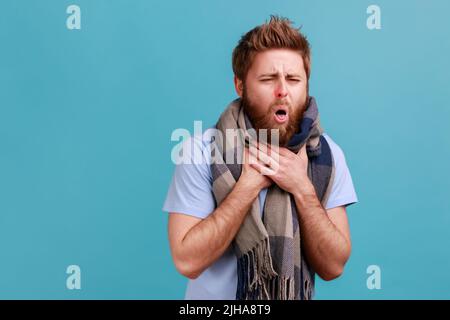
264	119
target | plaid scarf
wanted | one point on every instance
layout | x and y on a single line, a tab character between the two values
270	261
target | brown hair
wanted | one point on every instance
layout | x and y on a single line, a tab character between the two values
278	33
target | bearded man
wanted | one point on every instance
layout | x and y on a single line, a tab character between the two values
262	227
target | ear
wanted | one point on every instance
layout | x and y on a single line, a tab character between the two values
239	86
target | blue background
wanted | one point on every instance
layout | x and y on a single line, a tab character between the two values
86	118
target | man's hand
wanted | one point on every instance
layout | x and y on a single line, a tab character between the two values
250	176
287	169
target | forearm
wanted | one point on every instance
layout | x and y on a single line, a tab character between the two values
327	249
209	239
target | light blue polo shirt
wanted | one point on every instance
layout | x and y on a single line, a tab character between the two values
190	193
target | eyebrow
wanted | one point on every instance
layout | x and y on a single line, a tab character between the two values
276	74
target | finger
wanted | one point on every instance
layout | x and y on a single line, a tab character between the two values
261	168
249	156
302	151
270	151
271	161
277	152
253	158
253	149
285	152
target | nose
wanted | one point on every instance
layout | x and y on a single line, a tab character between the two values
281	89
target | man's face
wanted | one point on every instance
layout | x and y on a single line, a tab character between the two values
274	94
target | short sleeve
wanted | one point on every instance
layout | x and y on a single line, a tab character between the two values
190	191
342	192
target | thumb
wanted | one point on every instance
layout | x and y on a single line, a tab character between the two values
302	152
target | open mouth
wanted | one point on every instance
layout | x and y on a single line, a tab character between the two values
281	115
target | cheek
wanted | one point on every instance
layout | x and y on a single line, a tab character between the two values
259	98
301	94
259	95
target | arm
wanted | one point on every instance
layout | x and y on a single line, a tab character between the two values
196	243
326	235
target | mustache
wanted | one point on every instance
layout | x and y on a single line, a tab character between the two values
280	102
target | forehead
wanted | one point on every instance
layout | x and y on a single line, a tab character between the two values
277	60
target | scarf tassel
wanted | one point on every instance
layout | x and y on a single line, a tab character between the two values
260	281
307	282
